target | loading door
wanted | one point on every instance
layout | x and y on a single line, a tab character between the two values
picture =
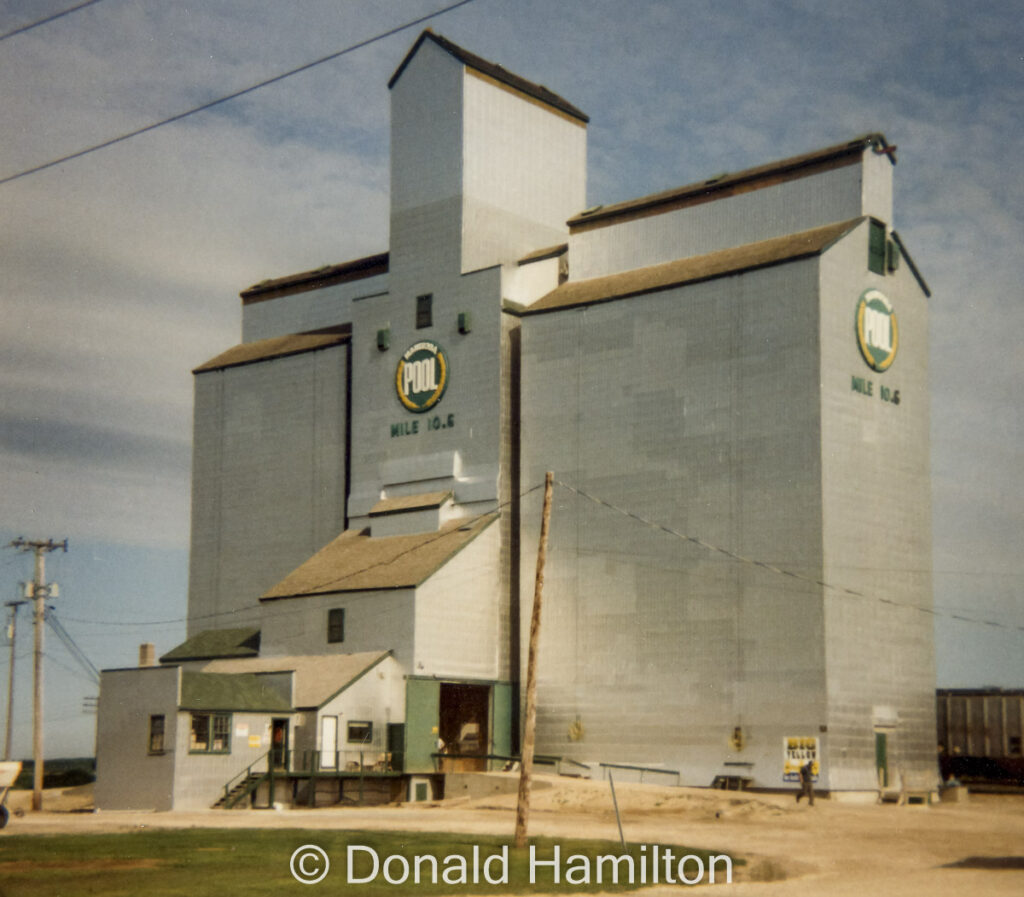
464	726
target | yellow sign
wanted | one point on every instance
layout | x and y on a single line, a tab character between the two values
799	750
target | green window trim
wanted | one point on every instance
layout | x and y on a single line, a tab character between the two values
210	733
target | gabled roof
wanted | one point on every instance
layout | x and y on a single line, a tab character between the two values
328	276
276	347
223	691
358	562
741	181
317	677
216	643
680	272
400	504
540	255
490	69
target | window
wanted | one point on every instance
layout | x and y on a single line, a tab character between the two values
876	247
211	733
360	732
424	311
156	734
335	625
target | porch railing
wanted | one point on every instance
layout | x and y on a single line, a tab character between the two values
247	777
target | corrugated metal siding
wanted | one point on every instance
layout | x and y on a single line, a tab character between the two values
268	478
525	175
877	528
696	408
459	612
374	621
813	201
307	311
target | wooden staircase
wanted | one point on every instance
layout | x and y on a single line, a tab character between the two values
239	792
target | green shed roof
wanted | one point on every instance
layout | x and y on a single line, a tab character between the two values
230	691
215	643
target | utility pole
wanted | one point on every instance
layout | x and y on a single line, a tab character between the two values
40	592
529	732
13	630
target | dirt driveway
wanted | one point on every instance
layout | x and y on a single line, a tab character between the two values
946	850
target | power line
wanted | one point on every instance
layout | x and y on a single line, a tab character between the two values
233	96
57	15
76	652
771	568
263	614
733	556
71	671
441	535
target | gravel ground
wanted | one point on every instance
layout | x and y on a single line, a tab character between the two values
792	850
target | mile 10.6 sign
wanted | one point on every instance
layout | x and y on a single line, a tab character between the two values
878	334
422	376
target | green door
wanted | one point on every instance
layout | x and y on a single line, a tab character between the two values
501	719
422	712
882	758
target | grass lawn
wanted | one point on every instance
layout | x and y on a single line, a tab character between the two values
199	862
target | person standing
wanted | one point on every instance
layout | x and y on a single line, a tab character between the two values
806	783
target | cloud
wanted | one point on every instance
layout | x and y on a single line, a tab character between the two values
119	272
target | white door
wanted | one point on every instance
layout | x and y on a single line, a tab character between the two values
329	742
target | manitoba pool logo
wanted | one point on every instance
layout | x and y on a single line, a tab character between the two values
422	376
877	332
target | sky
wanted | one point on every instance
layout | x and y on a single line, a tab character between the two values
120	270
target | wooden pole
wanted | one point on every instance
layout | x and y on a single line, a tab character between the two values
526	761
39	597
40	594
13	605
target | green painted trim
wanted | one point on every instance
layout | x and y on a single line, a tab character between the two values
422	719
501	718
211	714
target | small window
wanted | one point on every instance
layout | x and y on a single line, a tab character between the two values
210	734
424	311
1014	745
335	625
360	732
221	733
876	247
156	734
